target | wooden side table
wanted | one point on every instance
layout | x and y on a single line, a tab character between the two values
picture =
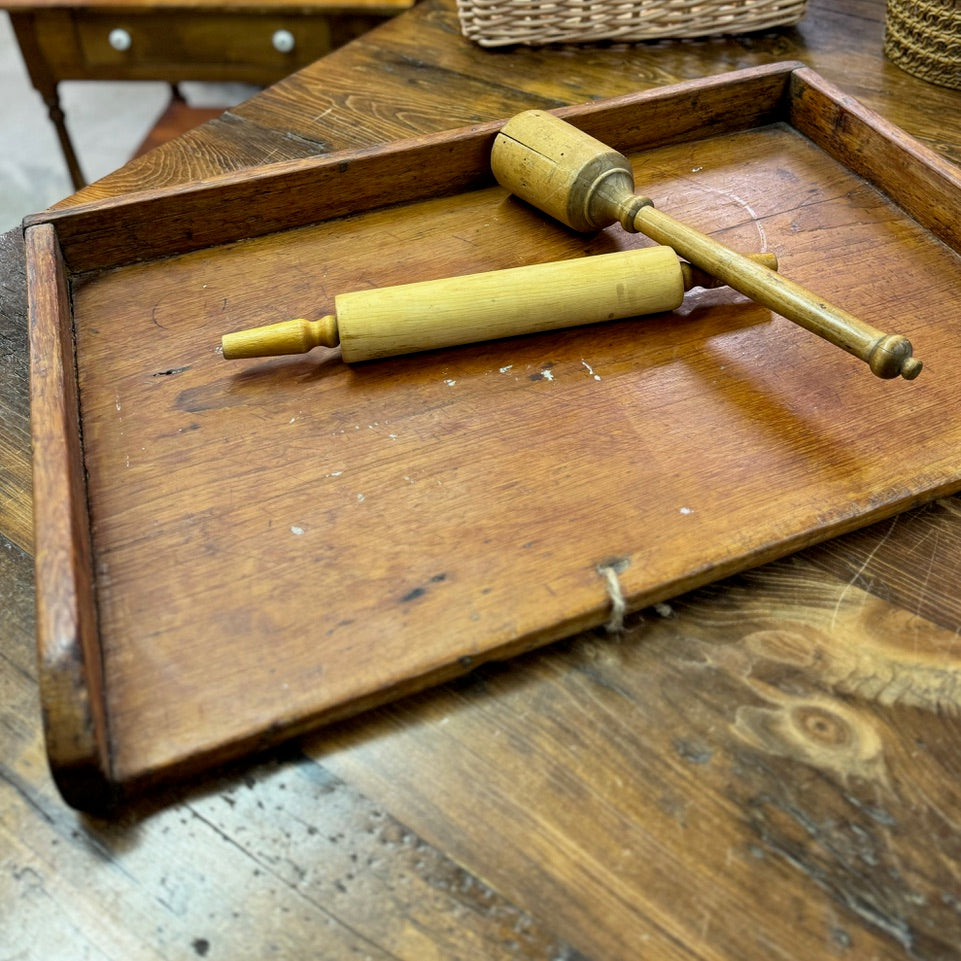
249	41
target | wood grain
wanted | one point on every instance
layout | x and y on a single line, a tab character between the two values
376	6
188	41
16	504
557	806
158	222
792	770
916	177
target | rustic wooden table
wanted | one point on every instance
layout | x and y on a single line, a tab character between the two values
763	768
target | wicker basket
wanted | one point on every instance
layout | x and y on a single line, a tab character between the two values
923	37
496	23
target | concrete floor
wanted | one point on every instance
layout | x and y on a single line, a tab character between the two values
107	122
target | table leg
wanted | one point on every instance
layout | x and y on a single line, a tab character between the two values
55	112
46	84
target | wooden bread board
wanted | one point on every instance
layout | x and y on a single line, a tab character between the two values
229	554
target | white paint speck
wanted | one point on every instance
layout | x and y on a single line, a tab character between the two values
295	530
292	420
504	370
590	369
361	498
449	382
696	170
547	373
335	473
392	436
664	610
686	510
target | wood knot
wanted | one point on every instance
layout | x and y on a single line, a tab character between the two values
825	734
826	729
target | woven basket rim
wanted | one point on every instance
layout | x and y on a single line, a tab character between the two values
536	22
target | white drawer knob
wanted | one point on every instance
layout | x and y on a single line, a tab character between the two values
119	39
283	41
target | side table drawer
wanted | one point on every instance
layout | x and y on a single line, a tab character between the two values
126	40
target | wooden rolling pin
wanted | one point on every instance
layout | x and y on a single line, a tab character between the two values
587	185
387	321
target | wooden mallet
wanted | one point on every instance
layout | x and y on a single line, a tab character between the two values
588	186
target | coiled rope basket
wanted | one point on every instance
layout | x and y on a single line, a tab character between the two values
923	37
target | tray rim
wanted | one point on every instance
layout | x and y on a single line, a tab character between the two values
68	243
164	220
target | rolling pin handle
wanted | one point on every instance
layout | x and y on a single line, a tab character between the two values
289	337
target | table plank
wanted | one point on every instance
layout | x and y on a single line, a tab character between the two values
16	506
757	750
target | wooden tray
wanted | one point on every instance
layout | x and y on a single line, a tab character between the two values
231	553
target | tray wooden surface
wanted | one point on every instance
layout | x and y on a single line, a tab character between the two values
231	553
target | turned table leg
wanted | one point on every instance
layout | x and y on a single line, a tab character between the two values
46	83
55	112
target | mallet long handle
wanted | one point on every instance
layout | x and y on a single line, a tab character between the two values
888	355
387	321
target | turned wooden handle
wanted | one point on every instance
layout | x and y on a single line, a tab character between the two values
888	355
288	337
585	184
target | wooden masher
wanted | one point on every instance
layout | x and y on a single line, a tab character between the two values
588	186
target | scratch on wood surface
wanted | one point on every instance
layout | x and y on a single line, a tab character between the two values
932	557
589	369
862	568
739	201
323	114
